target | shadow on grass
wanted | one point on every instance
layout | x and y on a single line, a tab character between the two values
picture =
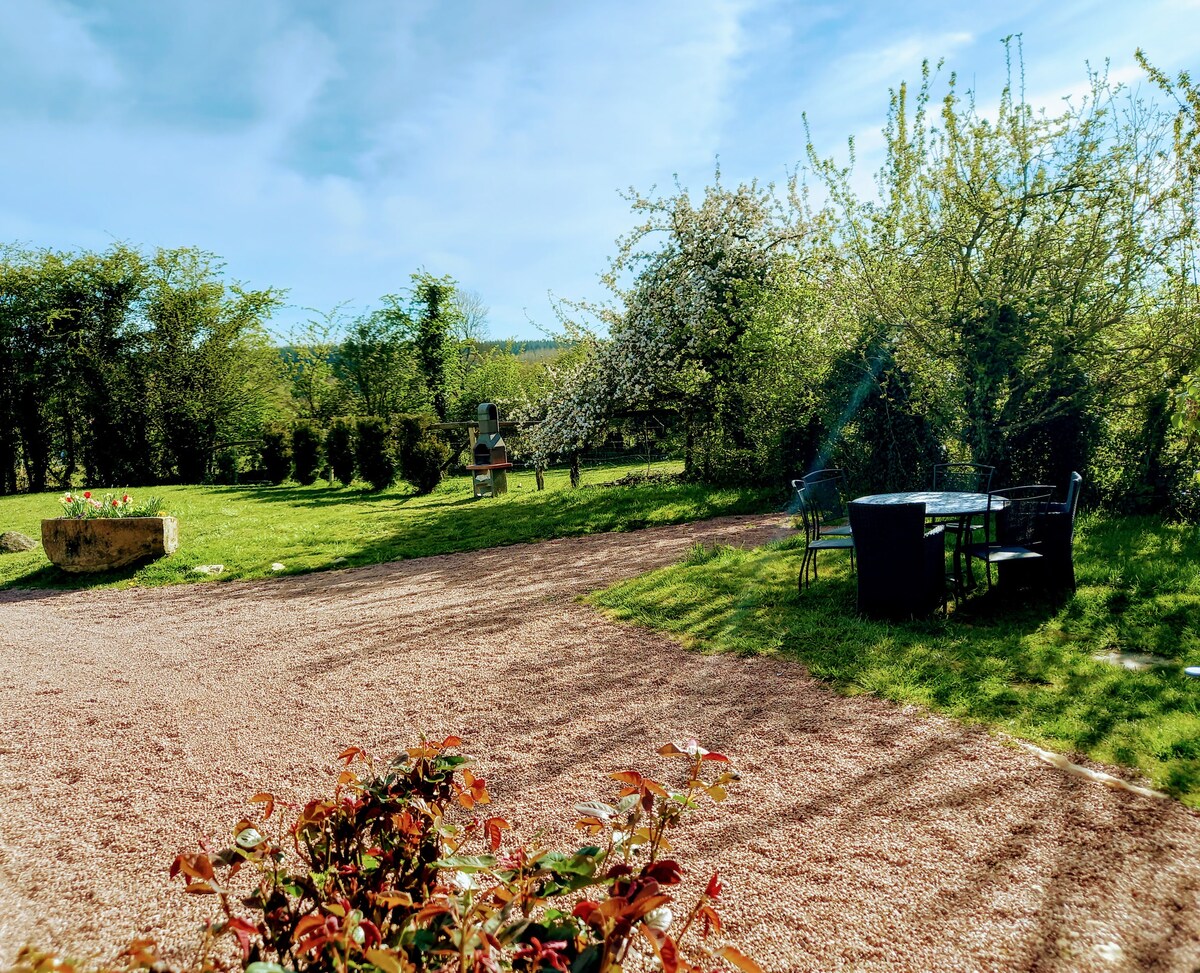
396	528
1025	665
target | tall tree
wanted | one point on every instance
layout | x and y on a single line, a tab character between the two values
209	363
435	313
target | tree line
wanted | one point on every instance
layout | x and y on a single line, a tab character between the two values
1021	290
127	367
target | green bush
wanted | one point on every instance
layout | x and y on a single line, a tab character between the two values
339	449
306	451
401	866
373	452
276	452
227	463
422	451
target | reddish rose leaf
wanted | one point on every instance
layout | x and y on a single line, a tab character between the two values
665	871
492	828
664	948
739	959
389	900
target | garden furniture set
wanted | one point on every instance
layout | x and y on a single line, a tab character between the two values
897	541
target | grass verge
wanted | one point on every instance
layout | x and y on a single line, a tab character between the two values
247	529
1027	668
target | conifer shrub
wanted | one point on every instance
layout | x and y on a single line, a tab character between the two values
373	452
425	461
306	451
423	452
276	452
339	449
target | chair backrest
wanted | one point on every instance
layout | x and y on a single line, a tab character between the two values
824	492
1073	487
1021	506
901	569
963	477
810	517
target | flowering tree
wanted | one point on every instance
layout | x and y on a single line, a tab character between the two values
698	290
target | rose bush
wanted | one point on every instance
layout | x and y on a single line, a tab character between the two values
399	870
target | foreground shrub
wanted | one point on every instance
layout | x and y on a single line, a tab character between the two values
339	449
306	451
276	452
397	871
373	453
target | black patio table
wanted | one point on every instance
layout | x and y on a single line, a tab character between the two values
945	503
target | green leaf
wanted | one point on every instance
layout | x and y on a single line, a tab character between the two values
467	863
588	961
596	809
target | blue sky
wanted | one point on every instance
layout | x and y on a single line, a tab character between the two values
332	148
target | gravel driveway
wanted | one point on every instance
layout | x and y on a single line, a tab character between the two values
862	836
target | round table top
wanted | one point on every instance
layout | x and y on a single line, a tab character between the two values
939	503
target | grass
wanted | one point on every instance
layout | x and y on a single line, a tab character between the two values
1026	668
246	529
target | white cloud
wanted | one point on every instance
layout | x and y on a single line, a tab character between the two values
45	42
336	153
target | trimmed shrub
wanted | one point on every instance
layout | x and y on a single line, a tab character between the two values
424	462
277	452
306	451
423	452
373	452
226	463
339	449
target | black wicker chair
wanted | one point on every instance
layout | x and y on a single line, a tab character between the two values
1056	533
901	566
1011	529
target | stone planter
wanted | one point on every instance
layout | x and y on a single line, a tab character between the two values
106	543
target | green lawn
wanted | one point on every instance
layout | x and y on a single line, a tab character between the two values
310	528
1027	670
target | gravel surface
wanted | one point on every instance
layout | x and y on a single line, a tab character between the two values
863	836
